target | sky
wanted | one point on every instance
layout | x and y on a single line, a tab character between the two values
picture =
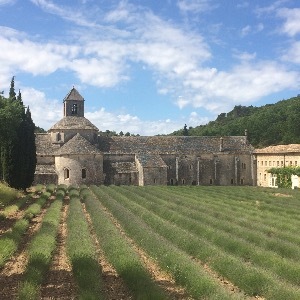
149	66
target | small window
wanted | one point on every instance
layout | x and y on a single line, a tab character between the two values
270	163
190	167
242	181
291	163
231	181
58	137
278	163
83	173
210	181
296	163
171	181
262	163
66	173
183	181
154	180
282	164
74	109
265	177
266	163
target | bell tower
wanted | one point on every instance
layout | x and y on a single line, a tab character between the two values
73	104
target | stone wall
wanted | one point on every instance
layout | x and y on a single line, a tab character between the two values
70	169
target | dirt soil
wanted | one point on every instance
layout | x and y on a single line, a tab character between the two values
11	273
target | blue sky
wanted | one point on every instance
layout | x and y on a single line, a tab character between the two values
146	66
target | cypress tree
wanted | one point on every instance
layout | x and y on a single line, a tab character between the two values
23	152
30	150
185	130
18	151
10	112
12	93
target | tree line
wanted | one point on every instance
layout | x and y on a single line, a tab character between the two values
17	141
267	125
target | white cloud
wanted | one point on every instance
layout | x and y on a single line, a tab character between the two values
179	60
7	2
68	13
244	4
245	56
98	72
270	9
125	122
293	53
260	27
243	84
292	24
19	53
245	30
44	112
194	6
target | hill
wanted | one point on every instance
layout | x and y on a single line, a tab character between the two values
267	125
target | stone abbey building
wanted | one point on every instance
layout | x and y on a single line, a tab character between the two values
73	152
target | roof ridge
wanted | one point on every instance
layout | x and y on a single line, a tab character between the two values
73	95
77	145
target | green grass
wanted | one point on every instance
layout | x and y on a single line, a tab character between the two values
35	208
7	194
10	241
186	272
40	253
254	268
120	253
82	252
11	209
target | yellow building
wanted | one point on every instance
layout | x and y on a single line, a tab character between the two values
276	157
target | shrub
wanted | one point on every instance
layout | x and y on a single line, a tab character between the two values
7	194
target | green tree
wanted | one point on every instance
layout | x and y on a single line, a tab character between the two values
185	130
17	150
10	119
12	93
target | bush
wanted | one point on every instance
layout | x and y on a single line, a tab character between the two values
7	194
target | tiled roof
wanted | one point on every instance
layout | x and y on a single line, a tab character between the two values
44	145
77	145
73	123
150	160
173	144
291	148
73	95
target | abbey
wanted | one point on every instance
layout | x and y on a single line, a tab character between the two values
73	152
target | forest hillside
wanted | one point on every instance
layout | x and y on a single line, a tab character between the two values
271	124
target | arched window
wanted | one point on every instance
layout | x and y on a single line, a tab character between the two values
83	173
74	109
171	181
66	173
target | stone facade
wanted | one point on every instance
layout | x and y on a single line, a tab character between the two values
73	152
275	157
